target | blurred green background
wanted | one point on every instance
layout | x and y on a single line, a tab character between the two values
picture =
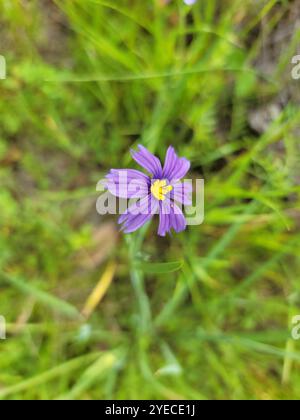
92	314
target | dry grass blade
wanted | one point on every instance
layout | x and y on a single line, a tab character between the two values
98	293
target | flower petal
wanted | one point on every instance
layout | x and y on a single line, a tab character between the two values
171	217
175	168
139	213
134	223
148	161
164	223
178	221
182	193
127	183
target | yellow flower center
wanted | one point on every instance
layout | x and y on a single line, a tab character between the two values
160	189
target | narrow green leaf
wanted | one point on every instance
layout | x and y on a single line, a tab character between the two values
46	298
159	268
51	374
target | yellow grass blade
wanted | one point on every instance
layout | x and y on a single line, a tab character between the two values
100	290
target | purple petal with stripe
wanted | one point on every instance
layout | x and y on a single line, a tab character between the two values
182	193
171	217
127	183
175	168
148	161
139	213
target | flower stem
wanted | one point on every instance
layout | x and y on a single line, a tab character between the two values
137	279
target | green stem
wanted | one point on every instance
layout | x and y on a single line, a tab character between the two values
137	279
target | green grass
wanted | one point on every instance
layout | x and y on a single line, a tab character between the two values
201	315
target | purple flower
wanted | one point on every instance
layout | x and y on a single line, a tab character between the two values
160	193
